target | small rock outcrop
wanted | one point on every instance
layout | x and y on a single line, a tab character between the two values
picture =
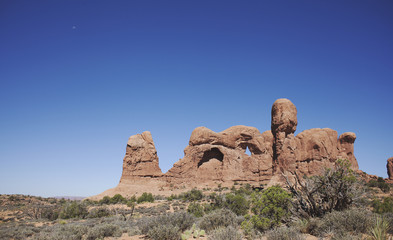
389	167
221	158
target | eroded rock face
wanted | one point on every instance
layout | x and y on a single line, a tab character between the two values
346	148
283	126
221	157
141	158
389	167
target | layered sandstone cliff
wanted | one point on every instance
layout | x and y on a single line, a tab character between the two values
212	158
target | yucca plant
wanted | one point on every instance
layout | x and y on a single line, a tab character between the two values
380	230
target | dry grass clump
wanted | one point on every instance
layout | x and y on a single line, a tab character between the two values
218	218
225	233
166	225
352	222
284	233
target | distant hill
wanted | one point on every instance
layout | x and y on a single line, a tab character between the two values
70	197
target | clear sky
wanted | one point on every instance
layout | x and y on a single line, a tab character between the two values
77	78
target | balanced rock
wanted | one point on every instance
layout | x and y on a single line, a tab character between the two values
283	125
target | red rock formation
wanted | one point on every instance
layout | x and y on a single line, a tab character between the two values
346	148
389	167
283	126
141	158
212	158
221	157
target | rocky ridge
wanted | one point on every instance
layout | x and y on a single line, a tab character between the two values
220	158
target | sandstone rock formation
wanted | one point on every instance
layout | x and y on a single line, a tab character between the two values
221	157
389	167
141	158
212	158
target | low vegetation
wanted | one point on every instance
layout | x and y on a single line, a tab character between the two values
335	205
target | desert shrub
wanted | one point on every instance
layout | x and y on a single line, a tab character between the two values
73	210
172	197
301	224
105	200
225	233
196	209
164	232
380	183
245	191
284	233
237	203
193	195
337	189
146	197
159	197
389	218
62	232
133	230
118	198
17	231
50	212
182	220
103	230
354	221
99	212
269	208
218	218
379	231
382	207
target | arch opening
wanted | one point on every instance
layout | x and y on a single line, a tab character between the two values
210	154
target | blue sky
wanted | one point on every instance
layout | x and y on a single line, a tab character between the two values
77	78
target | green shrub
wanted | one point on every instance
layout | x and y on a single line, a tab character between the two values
237	204
118	198
196	209
51	213
268	209
284	233
164	232
73	210
218	218
64	232
182	220
380	183
193	195
225	233
336	190
146	197
103	230
380	229
172	197
389	218
17	231
99	212
382	207
105	200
